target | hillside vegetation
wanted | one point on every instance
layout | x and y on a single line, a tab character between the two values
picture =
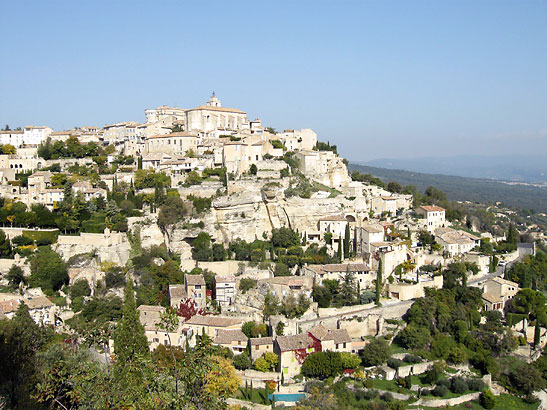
466	189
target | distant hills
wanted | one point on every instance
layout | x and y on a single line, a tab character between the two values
522	168
526	196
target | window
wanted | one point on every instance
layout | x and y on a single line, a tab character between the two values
198	286
256	347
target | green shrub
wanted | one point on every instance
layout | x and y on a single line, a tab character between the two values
487	399
440	391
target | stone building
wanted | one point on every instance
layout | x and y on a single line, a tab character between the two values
225	290
434	216
234	339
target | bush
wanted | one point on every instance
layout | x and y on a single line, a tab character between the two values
376	352
412	359
440	391
487	399
242	361
458	385
475	384
387	397
246	283
322	365
371	394
395	363
114	278
80	288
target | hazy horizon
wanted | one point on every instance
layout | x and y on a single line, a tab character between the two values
379	79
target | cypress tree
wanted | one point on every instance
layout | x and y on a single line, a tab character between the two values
139	163
379	283
339	253
347	241
130	342
537	333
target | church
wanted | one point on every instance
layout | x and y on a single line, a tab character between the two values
209	119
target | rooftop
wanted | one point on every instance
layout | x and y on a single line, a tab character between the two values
229	336
194	280
215	321
294	342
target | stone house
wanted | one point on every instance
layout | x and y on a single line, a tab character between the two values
407	291
176	143
497	292
195	289
41	310
434	217
150	317
283	286
177	293
369	234
455	242
225	290
260	345
292	351
337	271
335	340
234	339
336	225
9	307
211	325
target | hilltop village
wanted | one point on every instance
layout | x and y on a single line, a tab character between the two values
262	243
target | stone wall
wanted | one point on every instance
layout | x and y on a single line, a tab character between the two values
438	403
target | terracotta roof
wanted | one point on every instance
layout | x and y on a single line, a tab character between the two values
345	267
194	280
225	279
319	331
502	281
260	341
174	134
333	218
373	228
339	336
12	132
229	336
294	342
9	306
215	321
38	302
490	297
433	208
211	108
177	292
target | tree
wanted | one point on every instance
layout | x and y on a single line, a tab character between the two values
279	328
487	399
201	247
253	170
267	362
322	295
221	380
247	328
8	149
349	360
322	365
15	276
80	288
347	241
532	303
379	283
376	352
130	343
285	238
242	361
512	235
173	210
20	341
5	246
247	283
394	187
48	270
414	337
347	294
339	254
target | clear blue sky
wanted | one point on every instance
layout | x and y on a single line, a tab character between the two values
378	78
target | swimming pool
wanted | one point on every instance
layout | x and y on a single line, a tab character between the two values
290	397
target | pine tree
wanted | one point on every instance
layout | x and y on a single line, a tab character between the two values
347	239
339	254
379	283
130	343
